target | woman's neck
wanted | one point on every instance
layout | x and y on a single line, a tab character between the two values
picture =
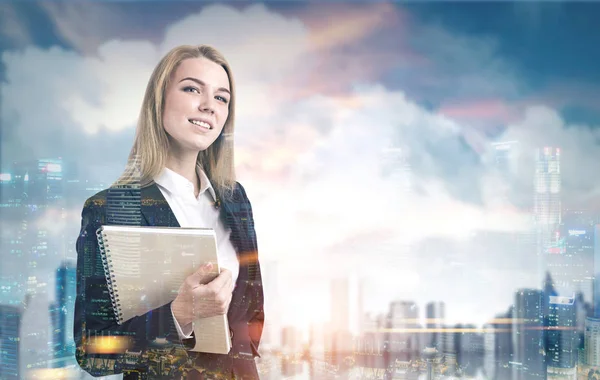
185	168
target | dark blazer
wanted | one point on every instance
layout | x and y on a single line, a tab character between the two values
157	351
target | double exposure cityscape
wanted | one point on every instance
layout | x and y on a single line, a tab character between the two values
422	179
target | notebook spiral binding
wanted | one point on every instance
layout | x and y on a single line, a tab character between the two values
108	272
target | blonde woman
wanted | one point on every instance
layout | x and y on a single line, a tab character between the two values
180	174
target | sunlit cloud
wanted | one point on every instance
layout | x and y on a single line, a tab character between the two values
350	24
488	112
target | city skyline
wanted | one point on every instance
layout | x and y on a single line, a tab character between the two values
47	187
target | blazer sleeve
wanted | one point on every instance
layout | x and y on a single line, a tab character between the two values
254	291
94	316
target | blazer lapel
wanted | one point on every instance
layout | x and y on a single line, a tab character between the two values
155	209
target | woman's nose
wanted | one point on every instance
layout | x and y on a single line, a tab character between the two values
207	104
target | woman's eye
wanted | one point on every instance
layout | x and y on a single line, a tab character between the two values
188	89
224	100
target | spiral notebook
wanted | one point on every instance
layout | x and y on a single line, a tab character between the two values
145	267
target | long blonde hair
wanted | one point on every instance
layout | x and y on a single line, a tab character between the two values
150	149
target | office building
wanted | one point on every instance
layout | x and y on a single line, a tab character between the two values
547	204
562	334
10	323
528	335
592	342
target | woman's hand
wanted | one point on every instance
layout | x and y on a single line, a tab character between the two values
199	297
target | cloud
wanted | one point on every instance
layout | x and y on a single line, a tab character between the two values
482	113
74	107
542	126
352	23
454	67
261	45
335	176
13	32
85	26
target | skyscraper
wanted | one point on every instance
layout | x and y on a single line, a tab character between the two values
575	272
62	313
435	314
547	204
592	342
562	336
528	336
10	322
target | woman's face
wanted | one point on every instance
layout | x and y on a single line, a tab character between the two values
196	104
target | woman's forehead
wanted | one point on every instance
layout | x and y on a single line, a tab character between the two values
202	69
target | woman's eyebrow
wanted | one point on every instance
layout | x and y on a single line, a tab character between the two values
223	89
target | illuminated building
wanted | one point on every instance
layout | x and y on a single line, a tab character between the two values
10	322
528	335
592	342
50	179
547	203
62	313
38	182
572	263
562	335
9	194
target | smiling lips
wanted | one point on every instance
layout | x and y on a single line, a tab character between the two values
201	123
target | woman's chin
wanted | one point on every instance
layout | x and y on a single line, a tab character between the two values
202	147
200	144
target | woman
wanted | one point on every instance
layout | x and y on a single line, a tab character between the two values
180	174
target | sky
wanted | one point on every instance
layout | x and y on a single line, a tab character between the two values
324	91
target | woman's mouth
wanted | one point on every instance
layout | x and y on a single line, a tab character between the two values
201	124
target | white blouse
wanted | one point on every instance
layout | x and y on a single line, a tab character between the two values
192	211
